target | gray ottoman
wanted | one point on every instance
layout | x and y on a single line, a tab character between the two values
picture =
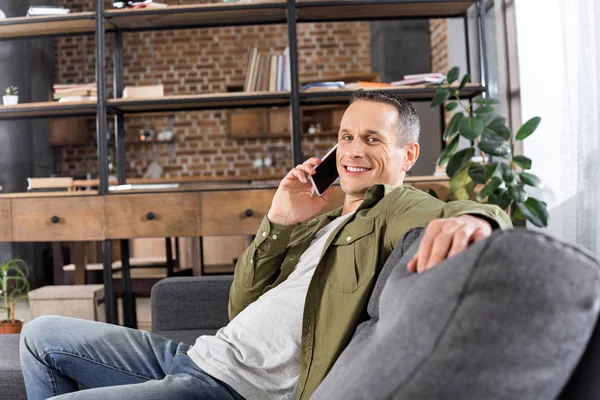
12	385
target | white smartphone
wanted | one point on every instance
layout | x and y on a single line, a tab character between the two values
326	172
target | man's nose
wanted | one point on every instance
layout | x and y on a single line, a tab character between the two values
357	148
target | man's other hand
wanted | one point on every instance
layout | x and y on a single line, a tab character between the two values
446	237
293	202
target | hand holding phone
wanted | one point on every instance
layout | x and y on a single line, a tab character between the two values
326	172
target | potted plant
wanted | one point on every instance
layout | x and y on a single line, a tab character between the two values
13	286
501	173
12	96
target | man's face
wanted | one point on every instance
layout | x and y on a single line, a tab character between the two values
368	150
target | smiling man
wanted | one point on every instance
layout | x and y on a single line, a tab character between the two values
299	290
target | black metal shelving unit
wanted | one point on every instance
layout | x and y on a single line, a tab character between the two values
290	12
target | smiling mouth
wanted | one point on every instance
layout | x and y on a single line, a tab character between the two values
356	170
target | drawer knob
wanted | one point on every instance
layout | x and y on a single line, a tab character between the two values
55	219
150	216
249	212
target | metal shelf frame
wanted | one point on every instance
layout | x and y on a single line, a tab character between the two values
292	13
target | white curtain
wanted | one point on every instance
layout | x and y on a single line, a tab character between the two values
559	65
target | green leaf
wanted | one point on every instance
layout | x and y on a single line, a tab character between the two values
518	215
488	189
441	96
452	127
508	176
433	193
497	121
491	169
517	193
485	110
471	128
528	128
486	101
500	198
477	173
531	180
453	74
461	185
448	151
494	147
535	212
459	161
451	106
522	161
466	79
501	130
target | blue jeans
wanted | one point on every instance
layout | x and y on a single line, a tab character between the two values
61	355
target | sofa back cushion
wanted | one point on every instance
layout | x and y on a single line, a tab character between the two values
508	318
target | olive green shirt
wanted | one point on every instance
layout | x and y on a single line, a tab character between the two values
347	270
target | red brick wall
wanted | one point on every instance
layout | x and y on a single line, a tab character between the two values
438	30
203	61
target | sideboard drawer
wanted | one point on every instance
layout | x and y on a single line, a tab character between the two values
234	212
5	225
58	218
152	215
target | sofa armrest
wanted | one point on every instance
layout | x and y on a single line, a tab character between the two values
190	303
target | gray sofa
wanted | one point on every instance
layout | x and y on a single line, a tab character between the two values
515	316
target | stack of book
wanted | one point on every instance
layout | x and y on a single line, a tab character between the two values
75	92
267	72
421	79
319	86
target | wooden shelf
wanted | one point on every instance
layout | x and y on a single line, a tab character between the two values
49	109
358	10
48	25
198	16
201	102
413	93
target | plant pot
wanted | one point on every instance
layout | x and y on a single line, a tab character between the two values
10	327
10	100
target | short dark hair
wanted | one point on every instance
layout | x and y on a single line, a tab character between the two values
409	126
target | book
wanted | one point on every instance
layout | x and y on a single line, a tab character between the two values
47	10
365	85
251	57
286	70
273	74
416	81
68	99
279	72
266	73
259	73
324	85
427	75
74	92
149	91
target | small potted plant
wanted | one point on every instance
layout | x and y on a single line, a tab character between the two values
12	96
13	287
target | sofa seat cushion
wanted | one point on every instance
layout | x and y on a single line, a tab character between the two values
12	385
507	319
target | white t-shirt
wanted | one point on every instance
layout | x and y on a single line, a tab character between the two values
258	352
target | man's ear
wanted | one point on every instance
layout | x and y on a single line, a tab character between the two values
412	153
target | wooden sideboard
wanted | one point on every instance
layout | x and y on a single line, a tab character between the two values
188	211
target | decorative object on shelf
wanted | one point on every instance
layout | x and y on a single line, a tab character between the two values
14	286
139	92
421	79
11	97
136	3
146	134
2	15
503	184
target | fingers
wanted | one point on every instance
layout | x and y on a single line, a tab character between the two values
420	259
445	238
302	171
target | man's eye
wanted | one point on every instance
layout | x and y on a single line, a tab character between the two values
346	137
373	140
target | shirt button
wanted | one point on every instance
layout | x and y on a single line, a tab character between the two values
348	239
251	261
264	234
274	237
